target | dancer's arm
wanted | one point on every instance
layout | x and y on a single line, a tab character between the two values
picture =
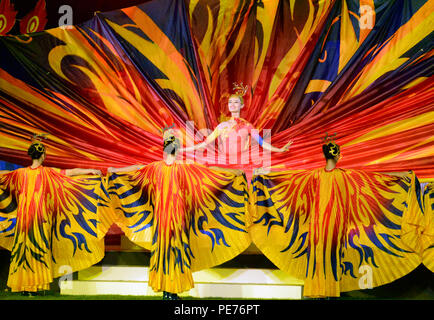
125	169
268	146
236	172
263	171
80	171
202	145
4	171
398	174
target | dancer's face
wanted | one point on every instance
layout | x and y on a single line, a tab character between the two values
235	105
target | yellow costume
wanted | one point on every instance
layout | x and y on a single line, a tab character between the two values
428	234
338	230
189	216
50	224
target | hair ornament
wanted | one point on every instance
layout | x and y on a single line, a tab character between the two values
240	89
168	127
328	138
39	136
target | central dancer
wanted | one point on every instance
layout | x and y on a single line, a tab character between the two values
189	216
235	147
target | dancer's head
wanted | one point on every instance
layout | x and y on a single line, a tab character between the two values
236	101
171	144
36	151
331	150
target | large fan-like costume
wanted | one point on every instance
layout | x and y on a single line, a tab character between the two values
428	234
338	230
51	224
189	216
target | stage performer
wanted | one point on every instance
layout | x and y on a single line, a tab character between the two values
338	229
234	138
189	216
49	221
428	233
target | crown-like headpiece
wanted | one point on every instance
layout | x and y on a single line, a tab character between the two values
328	138
167	128
334	149
39	136
36	141
240	89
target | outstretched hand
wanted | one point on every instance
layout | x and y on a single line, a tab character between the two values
286	146
261	171
238	172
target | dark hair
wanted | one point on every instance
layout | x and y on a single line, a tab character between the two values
171	145
36	150
330	150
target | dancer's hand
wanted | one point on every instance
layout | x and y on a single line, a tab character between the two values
238	172
286	146
261	171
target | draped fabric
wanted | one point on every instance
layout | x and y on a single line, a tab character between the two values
338	230
189	217
51	225
103	89
428	234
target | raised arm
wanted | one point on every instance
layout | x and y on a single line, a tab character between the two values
236	172
4	171
202	145
268	146
267	170
80	171
125	169
398	174
194	147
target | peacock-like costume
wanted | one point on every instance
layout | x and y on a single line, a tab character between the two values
338	230
51	224
189	216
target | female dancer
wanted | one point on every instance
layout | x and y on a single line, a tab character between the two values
49	221
337	229
189	216
234	138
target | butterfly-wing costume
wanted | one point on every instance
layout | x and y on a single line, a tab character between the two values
338	230
428	233
189	216
51	224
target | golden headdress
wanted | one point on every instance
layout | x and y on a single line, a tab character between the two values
332	146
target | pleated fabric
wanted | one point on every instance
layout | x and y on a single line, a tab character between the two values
189	216
51	225
428	233
338	230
